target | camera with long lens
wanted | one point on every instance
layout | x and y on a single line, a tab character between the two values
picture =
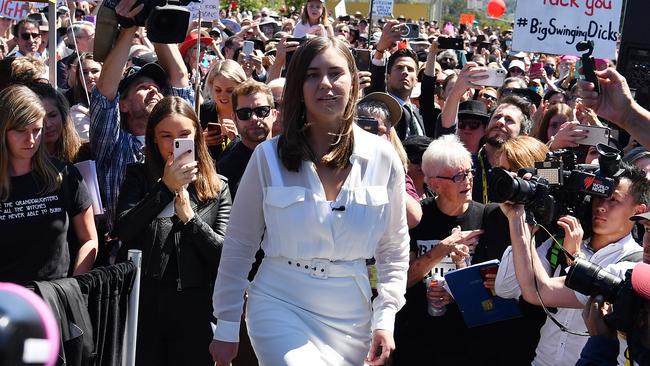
559	186
166	22
591	279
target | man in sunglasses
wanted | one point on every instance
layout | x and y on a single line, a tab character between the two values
255	111
28	38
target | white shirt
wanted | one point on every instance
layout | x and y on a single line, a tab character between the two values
555	347
297	221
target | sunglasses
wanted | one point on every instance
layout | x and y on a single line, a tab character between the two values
489	97
245	114
28	36
460	177
469	124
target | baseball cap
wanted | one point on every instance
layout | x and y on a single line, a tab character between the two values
636	154
415	146
150	70
517	63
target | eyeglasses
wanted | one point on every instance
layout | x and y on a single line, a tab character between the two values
245	114
489	97
460	177
28	36
470	124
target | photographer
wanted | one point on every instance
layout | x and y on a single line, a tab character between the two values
610	246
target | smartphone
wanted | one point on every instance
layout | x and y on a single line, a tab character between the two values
181	146
248	48
495	78
362	59
597	135
369	124
410	30
492	269
206	24
535	69
212	126
451	43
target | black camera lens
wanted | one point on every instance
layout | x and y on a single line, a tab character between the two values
590	279
504	187
177	144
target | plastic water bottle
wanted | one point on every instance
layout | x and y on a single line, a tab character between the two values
436	307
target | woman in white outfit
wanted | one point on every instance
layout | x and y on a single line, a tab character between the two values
324	196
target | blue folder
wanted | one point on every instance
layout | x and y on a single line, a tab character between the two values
475	302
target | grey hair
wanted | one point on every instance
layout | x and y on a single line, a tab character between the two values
76	28
374	107
450	53
445	151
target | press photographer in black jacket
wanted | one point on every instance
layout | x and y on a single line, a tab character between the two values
176	212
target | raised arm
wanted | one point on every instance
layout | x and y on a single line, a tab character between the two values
470	72
169	57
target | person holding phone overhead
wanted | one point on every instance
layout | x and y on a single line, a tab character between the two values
175	210
310	302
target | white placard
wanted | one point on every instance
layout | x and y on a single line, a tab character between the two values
382	8
556	26
15	10
88	171
209	10
339	9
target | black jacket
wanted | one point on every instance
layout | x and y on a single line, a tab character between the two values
195	246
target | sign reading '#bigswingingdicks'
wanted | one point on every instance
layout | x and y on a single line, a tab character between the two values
555	26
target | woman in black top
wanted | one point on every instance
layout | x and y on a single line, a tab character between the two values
176	212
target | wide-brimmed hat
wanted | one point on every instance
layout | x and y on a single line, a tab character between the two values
392	104
641	280
150	70
190	41
473	109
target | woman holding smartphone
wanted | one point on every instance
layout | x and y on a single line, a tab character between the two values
41	198
217	114
324	196
175	210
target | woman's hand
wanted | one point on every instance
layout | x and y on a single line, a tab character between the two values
458	255
212	137
177	173
490	278
568	135
229	129
586	115
182	205
382	341
438	293
223	352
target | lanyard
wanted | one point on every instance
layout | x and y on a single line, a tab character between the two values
483	177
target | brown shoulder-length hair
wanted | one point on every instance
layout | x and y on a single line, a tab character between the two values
324	17
293	147
207	183
19	108
68	144
541	129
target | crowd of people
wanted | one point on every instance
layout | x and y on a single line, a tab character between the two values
319	191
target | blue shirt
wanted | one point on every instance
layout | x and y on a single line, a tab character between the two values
113	147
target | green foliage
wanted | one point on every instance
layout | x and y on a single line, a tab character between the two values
251	5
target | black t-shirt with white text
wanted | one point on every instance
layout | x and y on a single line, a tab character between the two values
35	225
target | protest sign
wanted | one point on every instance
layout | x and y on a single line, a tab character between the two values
556	26
466	18
339	9
382	8
15	10
209	10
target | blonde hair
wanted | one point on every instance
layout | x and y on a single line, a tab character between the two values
522	152
229	69
399	148
19	108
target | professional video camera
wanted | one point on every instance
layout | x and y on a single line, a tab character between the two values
165	23
590	279
559	186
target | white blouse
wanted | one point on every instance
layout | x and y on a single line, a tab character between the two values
296	221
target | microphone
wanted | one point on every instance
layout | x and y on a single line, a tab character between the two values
340	208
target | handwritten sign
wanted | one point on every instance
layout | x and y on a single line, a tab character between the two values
15	10
466	18
556	26
209	10
339	9
382	8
